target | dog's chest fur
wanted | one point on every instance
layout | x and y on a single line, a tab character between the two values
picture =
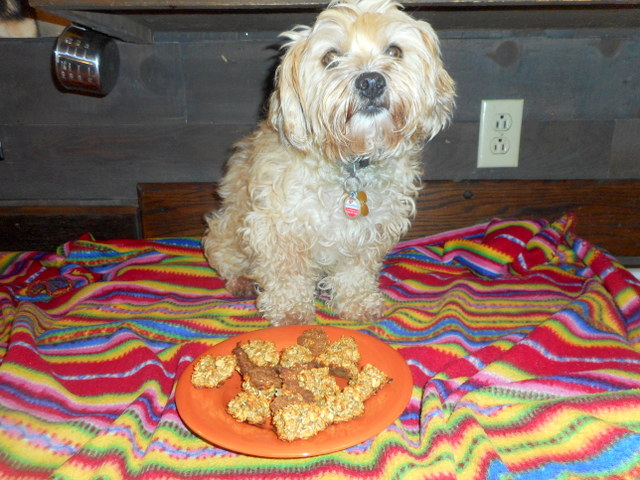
317	208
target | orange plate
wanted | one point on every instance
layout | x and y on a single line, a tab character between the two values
204	410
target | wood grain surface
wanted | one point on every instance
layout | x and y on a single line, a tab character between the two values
46	227
262	4
175	209
608	212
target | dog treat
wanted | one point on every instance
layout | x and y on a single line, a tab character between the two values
299	421
319	382
263	378
211	372
249	407
368	381
268	393
296	387
343	406
262	353
316	340
295	355
283	399
244	364
291	384
342	357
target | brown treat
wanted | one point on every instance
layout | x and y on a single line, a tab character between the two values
291	384
299	421
211	372
315	339
263	377
244	364
344	371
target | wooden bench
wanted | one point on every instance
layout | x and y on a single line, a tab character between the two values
608	212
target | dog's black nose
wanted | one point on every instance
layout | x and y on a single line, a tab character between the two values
371	84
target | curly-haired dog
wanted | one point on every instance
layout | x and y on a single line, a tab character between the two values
326	185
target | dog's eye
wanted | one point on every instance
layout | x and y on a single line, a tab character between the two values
394	51
330	58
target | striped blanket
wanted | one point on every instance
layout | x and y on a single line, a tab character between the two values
522	340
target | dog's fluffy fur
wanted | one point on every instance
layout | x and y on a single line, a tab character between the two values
15	20
281	231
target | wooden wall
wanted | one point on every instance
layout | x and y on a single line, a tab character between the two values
180	102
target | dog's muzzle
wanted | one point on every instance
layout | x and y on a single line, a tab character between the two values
371	85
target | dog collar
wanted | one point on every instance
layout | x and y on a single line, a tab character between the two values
358	164
354	198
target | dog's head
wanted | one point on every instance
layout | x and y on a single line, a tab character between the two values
366	80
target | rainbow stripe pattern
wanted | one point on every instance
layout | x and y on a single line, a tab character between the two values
522	338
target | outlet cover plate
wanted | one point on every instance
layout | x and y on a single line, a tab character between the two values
499	136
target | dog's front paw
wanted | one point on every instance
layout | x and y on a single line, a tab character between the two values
368	309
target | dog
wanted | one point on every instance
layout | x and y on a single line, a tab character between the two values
315	198
16	19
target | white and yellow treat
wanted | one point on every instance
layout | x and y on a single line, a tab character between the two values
262	353
299	421
294	355
249	407
369	380
343	406
342	354
319	382
211	372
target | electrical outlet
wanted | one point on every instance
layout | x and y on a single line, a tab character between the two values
499	138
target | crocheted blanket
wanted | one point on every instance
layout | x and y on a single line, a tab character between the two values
522	340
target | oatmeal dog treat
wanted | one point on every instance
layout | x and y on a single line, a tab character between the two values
260	371
268	392
343	406
291	384
262	353
315	339
368	381
342	357
249	407
319	382
263	378
299	421
211	372
295	355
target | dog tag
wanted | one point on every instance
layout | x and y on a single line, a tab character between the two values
355	204
364	208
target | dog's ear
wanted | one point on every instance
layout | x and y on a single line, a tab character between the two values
443	86
286	110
